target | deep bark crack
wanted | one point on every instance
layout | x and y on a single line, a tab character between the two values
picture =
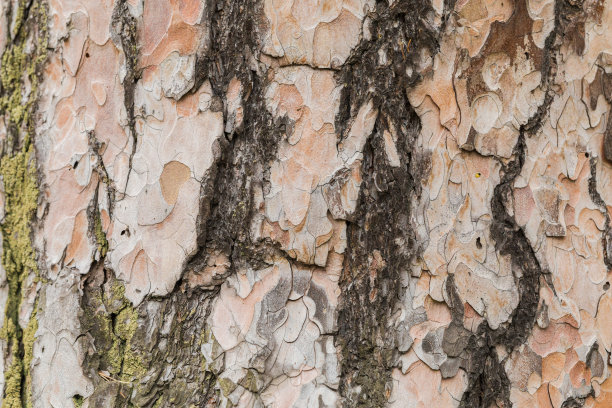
124	34
488	382
382	225
606	237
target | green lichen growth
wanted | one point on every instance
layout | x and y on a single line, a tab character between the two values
205	336
122	361
114	300
14	62
113	322
117	291
18	259
14	374
19	80
28	349
20	66
18	174
115	357
227	386
19	77
159	402
77	400
250	381
125	328
100	235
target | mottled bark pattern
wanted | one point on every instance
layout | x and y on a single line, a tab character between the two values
306	203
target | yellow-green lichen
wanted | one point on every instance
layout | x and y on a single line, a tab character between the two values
159	402
125	328
19	75
20	66
115	357
14	374
21	194
77	400
14	62
115	298
227	386
100	235
250	381
28	354
18	174
205	335
113	322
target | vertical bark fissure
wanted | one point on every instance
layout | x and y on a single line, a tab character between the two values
488	381
152	354
381	241
606	238
124	34
242	156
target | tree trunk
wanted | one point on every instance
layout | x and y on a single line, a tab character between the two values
299	203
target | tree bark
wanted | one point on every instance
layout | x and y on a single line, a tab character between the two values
260	203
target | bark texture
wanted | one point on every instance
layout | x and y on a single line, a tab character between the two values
306	203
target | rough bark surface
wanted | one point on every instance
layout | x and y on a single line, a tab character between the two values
306	203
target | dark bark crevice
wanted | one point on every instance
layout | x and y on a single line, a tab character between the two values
176	324
161	365
381	238
488	382
602	85
243	155
124	31
381	241
606	237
